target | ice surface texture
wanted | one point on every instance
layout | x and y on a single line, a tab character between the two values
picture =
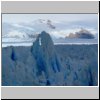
46	64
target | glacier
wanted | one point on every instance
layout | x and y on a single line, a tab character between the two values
46	64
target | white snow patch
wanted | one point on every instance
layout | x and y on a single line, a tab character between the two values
39	41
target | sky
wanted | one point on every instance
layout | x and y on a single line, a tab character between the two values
65	23
17	18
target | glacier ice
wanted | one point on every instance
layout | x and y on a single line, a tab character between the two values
46	64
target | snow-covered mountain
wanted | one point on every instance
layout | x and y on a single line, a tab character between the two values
43	63
25	33
55	29
26	30
83	34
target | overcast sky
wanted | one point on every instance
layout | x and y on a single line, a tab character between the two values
64	23
17	18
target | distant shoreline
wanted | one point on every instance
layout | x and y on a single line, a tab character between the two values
7	44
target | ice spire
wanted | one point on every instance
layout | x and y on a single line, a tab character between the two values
45	54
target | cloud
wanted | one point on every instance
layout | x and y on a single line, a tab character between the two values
22	26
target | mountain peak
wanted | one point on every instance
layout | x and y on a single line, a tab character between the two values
46	22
